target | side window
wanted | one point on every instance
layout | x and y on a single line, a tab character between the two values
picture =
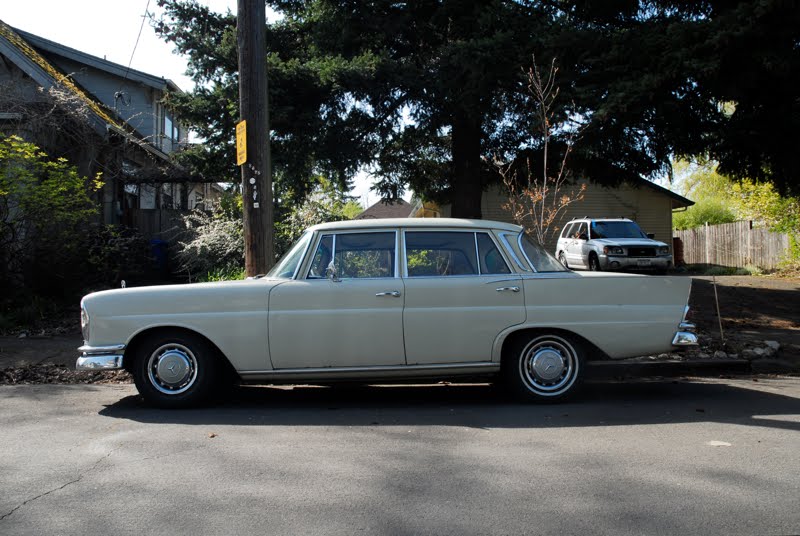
355	255
430	253
581	229
567	233
490	258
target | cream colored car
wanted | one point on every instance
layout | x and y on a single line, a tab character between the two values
377	300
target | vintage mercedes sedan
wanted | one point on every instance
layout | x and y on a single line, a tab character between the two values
387	300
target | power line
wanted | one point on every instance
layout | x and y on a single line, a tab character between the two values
136	45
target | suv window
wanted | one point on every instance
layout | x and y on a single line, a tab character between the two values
355	255
430	253
580	229
567	232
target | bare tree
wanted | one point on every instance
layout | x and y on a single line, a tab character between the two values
536	200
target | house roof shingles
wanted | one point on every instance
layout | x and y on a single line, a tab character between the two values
382	209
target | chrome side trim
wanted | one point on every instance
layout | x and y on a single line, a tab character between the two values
684	338
334	373
504	238
522	250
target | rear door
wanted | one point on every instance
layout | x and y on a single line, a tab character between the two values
460	294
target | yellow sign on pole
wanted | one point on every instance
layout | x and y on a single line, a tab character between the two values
241	143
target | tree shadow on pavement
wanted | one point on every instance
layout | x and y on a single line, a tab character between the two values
751	402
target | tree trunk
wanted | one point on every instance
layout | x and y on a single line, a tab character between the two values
466	184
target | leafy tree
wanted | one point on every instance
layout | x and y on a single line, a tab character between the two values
538	201
426	92
325	203
720	199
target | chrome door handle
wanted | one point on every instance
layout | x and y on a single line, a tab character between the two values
392	293
506	289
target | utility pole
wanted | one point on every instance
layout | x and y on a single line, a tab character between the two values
257	169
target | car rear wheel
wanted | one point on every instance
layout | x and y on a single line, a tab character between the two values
594	263
562	259
544	368
176	369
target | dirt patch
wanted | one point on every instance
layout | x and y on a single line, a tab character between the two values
52	373
752	308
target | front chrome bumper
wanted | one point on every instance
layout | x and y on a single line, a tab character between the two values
100	357
619	262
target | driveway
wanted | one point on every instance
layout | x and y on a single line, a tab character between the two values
669	457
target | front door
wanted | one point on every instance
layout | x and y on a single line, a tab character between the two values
350	318
575	247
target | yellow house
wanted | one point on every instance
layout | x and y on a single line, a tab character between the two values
645	202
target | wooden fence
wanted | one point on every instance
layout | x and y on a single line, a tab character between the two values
735	245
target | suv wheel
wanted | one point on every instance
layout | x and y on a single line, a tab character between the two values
594	263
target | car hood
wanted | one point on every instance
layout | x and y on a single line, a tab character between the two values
626	242
188	298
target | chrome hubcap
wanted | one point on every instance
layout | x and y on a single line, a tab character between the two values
172	369
548	365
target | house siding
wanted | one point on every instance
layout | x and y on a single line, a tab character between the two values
138	114
650	209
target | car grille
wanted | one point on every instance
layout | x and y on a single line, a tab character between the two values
641	252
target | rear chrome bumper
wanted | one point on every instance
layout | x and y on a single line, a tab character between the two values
686	335
100	357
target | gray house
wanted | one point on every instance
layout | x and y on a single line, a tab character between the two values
104	118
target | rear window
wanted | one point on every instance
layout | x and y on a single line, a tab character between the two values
540	260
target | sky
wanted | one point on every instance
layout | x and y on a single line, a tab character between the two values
109	29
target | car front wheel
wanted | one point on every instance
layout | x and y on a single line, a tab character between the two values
176	369
544	368
594	263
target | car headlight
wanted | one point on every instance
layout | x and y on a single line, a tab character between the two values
613	250
663	251
85	324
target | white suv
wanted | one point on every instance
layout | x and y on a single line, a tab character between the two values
610	244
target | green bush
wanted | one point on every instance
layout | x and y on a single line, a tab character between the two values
45	207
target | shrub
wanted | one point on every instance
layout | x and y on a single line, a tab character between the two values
210	244
45	207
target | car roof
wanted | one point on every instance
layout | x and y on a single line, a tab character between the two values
415	222
601	219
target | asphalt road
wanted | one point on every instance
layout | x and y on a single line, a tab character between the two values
703	457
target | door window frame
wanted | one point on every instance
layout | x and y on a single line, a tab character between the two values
477	253
312	251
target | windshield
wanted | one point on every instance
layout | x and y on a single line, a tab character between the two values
287	266
540	259
616	229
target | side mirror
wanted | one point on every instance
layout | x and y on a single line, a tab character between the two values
651	236
330	272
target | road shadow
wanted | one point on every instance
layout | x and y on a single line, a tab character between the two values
483	406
